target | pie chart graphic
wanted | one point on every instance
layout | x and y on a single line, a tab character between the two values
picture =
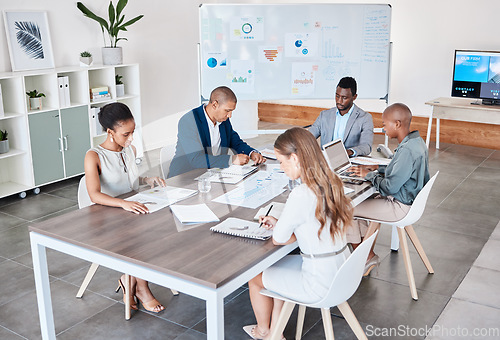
212	62
305	51
246	28
298	43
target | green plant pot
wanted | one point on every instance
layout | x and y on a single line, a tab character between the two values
4	146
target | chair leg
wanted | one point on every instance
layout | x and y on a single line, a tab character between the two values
174	292
127	296
286	311
418	246
394	239
300	322
327	323
406	256
351	319
372	227
87	279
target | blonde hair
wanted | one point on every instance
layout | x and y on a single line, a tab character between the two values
332	204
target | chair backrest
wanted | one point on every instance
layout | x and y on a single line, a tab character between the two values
83	195
346	281
418	206
166	155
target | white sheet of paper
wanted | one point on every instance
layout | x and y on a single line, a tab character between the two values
198	213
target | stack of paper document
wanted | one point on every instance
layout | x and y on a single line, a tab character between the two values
370	161
230	175
198	213
161	197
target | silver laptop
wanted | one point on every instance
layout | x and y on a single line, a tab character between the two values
336	156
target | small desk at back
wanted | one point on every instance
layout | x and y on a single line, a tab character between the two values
196	262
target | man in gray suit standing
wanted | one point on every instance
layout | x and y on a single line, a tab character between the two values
347	121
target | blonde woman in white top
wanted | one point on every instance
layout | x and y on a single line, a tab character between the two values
314	215
110	170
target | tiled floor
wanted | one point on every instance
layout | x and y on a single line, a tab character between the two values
457	231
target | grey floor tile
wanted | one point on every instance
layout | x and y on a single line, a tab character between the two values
486	174
15	241
469	150
69	192
491	163
495	155
67	311
6	334
37	206
103	283
489	255
191	335
110	324
480	286
17	280
473	203
60	184
8	222
496	233
447	168
443	187
484	186
57	213
462	222
460	319
371	305
60	264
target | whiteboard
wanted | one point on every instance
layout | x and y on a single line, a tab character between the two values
294	51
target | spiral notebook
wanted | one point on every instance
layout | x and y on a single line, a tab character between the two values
242	228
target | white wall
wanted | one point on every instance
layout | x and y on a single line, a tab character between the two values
425	34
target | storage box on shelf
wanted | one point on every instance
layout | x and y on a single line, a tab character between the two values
49	144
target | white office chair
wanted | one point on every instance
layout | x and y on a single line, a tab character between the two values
416	211
167	153
343	286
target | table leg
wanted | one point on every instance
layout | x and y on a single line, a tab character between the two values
437	133
429	129
215	317
42	285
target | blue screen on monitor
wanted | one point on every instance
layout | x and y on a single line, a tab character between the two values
476	74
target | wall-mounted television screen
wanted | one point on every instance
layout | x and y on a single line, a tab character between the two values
476	74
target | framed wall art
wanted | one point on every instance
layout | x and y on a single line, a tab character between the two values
28	38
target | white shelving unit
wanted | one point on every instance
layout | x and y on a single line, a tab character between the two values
49	144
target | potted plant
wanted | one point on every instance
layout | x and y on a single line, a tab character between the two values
111	54
86	58
35	99
120	87
4	142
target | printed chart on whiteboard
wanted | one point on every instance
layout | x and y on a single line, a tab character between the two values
288	51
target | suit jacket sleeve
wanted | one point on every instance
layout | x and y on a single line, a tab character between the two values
366	136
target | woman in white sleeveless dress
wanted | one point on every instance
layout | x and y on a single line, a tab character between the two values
314	215
110	170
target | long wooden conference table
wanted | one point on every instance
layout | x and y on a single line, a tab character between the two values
154	247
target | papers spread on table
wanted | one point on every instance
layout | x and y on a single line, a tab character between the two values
197	213
161	197
347	190
238	227
370	161
275	211
268	153
256	190
231	175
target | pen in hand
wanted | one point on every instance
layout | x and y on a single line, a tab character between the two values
260	225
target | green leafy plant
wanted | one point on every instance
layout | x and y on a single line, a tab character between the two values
85	54
3	135
118	79
116	21
35	94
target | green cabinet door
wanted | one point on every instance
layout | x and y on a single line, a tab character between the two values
46	147
76	138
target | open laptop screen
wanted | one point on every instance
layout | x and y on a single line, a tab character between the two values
336	155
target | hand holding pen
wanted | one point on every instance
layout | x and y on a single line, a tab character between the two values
267	222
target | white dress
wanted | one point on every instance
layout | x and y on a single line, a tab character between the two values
295	277
119	172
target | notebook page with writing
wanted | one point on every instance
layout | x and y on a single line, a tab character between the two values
242	228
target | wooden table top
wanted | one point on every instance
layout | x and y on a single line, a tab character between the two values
158	241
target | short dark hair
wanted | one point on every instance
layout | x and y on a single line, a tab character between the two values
349	83
223	94
112	114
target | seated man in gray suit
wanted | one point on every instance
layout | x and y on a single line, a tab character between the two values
347	121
